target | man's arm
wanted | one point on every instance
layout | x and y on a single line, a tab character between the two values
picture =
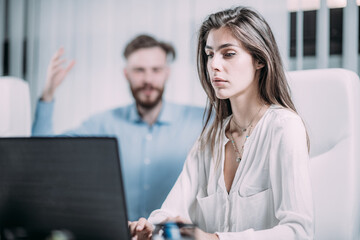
56	74
43	123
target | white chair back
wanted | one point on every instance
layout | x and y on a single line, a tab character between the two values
15	114
328	100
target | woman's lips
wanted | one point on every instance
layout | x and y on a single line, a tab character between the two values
217	81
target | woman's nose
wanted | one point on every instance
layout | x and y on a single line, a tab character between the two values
215	63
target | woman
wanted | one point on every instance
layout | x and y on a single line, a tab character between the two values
247	177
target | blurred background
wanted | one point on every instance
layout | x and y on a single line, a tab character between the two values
310	34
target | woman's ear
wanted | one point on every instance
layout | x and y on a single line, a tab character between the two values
259	65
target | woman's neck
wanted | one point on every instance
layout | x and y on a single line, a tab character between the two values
246	110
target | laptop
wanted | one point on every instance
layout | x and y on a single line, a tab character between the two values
61	189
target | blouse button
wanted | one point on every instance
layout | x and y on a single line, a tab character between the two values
149	137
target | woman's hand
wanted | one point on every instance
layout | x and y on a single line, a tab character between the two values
141	230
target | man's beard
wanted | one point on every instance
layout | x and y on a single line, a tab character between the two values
148	103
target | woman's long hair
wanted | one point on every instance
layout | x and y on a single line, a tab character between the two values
255	35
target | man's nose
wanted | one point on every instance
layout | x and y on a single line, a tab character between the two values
148	77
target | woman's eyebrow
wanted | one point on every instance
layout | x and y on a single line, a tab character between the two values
221	46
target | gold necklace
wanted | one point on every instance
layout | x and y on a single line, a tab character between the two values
247	134
237	152
244	129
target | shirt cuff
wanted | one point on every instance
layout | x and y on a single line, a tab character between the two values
44	108
244	235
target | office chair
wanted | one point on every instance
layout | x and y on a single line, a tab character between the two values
328	100
15	116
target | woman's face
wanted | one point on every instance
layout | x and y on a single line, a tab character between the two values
231	68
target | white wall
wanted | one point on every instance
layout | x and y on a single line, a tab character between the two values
94	32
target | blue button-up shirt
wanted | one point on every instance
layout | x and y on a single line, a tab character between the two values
152	157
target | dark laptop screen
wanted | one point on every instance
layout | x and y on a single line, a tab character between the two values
68	186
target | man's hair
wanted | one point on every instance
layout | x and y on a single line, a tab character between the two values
146	41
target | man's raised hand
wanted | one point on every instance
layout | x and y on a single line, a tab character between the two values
56	74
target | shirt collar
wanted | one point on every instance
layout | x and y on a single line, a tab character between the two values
225	124
166	115
134	114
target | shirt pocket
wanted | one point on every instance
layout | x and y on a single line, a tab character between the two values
255	211
209	212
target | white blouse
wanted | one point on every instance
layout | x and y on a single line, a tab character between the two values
270	197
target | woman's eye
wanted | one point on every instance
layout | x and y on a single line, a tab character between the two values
229	54
209	55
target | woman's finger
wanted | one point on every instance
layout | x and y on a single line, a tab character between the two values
132	226
141	224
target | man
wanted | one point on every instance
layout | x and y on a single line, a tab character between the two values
154	135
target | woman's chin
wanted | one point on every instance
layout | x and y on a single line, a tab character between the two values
221	96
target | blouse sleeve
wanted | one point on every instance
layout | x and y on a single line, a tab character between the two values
290	183
179	201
